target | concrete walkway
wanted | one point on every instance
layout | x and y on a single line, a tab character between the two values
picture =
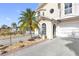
55	47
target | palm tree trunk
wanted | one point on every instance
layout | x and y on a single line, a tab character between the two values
31	29
31	33
10	40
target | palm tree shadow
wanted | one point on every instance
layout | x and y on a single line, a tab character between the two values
74	46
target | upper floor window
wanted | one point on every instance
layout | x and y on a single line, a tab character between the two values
43	13
59	5
51	11
38	13
68	8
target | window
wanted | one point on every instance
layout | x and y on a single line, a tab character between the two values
68	8
38	13
59	5
51	11
43	13
43	29
54	31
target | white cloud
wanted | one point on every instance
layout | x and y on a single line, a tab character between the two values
7	18
18	11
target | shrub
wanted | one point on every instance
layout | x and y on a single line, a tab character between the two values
3	52
22	46
21	41
4	47
1	45
32	39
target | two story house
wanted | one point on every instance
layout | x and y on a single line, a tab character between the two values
58	20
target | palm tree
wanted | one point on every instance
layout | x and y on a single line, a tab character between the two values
10	33
28	21
14	30
14	26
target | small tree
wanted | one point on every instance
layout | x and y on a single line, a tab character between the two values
4	26
14	26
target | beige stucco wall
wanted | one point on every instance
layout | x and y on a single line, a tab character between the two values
49	28
63	29
56	14
47	8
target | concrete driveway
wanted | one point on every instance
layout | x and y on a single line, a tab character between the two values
55	47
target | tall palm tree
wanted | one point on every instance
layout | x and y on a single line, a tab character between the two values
9	28
28	21
14	26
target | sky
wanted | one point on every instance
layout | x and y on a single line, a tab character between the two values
10	12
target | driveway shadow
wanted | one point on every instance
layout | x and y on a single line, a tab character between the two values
74	46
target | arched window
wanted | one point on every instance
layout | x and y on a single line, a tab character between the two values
43	29
43	13
38	13
54	31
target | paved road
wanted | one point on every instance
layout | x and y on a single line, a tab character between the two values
55	47
14	40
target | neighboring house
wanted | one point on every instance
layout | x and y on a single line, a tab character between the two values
58	19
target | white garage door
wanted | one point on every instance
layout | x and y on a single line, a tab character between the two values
68	30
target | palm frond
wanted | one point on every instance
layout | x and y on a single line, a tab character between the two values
28	20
